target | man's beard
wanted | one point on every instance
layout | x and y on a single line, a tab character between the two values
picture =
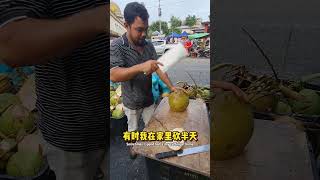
141	42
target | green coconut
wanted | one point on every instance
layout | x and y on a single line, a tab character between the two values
117	113
205	94
15	118
114	100
309	106
24	164
30	143
112	93
3	165
262	103
29	123
118	91
178	101
6	157
6	100
282	108
232	125
6	146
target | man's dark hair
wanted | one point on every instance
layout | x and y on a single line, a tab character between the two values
133	10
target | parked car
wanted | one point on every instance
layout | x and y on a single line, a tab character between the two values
161	46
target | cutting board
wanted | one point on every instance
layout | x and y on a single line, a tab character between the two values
195	118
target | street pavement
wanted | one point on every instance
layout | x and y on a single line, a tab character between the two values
198	68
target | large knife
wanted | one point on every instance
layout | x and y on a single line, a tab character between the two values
183	152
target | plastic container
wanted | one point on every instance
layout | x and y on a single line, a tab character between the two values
172	56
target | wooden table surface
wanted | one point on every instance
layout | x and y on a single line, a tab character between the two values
195	118
276	151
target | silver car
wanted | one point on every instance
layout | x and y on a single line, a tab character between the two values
161	46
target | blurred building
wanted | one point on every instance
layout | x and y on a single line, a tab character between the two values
116	21
199	27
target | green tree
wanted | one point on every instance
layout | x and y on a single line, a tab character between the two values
191	20
175	23
177	30
155	26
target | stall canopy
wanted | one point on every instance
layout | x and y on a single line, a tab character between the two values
174	35
184	34
198	35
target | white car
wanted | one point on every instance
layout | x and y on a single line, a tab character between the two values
161	46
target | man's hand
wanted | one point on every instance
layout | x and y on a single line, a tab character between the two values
121	74
229	86
173	89
150	66
239	92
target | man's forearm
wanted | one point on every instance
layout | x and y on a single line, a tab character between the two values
35	41
120	74
218	84
164	78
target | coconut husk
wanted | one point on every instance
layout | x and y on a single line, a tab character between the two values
13	119
31	143
6	146
27	94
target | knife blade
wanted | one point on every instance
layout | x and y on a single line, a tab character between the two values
184	152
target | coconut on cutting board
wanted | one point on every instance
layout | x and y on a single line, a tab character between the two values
194	118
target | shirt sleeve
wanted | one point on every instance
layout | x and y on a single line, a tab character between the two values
116	56
11	10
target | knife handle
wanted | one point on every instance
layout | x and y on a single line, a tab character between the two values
167	154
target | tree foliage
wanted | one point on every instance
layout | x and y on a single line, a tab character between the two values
191	20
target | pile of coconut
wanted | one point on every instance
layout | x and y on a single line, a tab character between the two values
116	105
20	150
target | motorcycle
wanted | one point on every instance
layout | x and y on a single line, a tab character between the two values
203	53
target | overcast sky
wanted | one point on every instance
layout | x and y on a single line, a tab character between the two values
178	8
